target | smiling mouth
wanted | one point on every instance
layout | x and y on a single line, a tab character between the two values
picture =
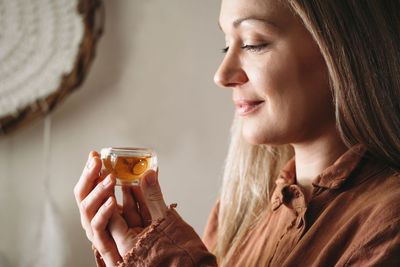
246	107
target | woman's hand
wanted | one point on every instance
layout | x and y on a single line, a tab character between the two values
141	205
94	195
110	227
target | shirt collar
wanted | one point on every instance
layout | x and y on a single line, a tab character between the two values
337	174
333	176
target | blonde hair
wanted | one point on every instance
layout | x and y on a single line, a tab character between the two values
360	42
246	188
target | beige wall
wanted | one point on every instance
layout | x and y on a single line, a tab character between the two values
150	85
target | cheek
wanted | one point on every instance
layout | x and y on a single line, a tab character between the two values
312	104
269	76
272	79
313	74
298	99
314	81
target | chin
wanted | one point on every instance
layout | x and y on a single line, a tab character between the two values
254	137
259	137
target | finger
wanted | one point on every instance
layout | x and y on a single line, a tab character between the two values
102	217
130	208
143	210
119	231
91	204
104	172
119	209
123	235
101	238
153	195
88	178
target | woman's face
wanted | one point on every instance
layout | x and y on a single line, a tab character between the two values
279	78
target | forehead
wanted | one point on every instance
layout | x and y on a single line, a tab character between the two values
275	11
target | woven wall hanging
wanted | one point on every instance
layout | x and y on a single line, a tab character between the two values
46	47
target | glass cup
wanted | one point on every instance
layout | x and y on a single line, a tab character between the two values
128	164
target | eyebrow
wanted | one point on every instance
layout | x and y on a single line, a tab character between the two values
238	21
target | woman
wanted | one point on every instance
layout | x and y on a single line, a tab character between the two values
319	80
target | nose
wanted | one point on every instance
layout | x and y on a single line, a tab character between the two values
230	73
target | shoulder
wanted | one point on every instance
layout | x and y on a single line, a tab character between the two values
381	186
375	202
376	221
367	203
373	215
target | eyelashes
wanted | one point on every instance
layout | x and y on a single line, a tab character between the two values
254	48
225	50
251	48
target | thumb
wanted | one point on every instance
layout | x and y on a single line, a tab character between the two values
152	195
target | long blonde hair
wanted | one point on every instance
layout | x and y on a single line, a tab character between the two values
360	42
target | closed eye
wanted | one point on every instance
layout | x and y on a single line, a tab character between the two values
251	48
254	48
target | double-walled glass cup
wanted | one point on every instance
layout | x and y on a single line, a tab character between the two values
128	164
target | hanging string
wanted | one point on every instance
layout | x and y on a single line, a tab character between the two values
51	244
46	149
46	154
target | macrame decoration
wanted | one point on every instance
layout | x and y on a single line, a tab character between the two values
46	47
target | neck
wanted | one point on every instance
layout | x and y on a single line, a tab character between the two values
312	158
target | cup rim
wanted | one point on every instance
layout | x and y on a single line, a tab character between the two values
126	151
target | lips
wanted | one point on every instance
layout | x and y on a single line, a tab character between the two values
245	107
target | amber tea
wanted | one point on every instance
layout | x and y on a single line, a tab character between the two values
128	164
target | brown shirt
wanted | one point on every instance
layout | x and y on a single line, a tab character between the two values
352	219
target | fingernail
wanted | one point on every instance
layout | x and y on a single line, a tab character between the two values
108	202
107	181
151	179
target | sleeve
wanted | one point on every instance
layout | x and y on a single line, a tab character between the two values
380	249
98	258
211	230
169	242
